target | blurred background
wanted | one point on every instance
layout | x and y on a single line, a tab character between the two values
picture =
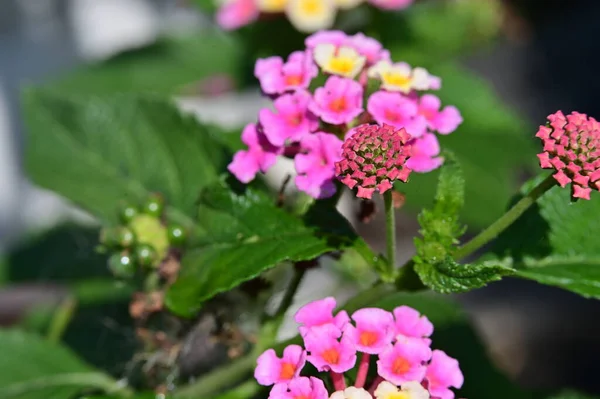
545	58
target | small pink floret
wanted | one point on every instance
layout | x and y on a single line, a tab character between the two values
397	110
442	373
259	157
404	361
326	352
234	14
374	330
315	164
339	101
319	313
271	369
425	154
277	77
300	388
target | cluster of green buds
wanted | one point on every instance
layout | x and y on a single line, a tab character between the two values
143	240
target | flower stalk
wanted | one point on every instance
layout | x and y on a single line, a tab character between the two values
390	236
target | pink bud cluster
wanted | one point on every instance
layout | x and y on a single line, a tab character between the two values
373	157
572	149
310	125
406	365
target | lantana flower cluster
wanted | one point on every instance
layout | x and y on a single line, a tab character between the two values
361	85
305	15
396	343
572	149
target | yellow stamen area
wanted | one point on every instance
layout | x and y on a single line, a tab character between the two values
398	395
312	7
341	65
396	79
272	5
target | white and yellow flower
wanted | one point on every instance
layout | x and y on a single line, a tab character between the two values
408	390
351	393
311	15
400	76
271	6
343	61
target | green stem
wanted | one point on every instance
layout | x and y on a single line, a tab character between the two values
390	236
290	292
61	319
505	220
219	379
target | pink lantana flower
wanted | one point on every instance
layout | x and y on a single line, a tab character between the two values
277	77
291	121
335	37
315	164
443	372
374	330
320	313
403	362
300	388
259	156
369	47
425	151
273	370
410	324
339	101
234	14
396	110
326	352
445	121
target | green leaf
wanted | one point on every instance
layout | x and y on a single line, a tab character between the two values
33	368
167	66
247	234
120	147
580	274
555	241
491	145
447	276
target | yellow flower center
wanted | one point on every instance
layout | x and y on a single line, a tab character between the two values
396	79
312	7
398	395
341	65
293	80
272	5
367	338
331	356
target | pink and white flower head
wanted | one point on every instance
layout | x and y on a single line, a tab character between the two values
300	388
374	330
315	164
234	14
339	101
445	121
411	324
400	76
335	37
259	157
320	313
370	48
311	15
572	149
391	4
372	158
343	61
408	390
326	352
404	362
351	393
398	111
425	154
291	121
273	370
442	373
277	77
